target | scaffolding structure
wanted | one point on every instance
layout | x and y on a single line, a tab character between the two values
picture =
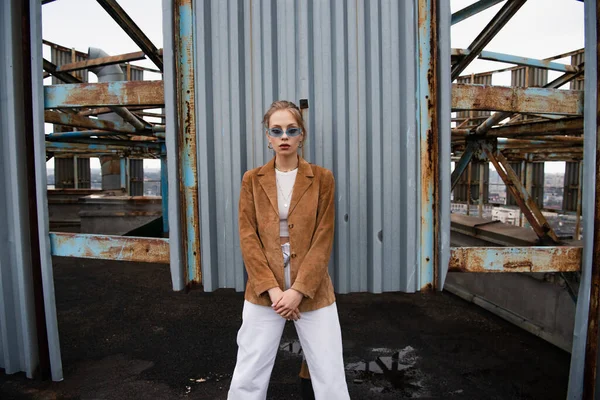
514	128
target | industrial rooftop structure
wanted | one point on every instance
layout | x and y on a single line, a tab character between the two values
388	109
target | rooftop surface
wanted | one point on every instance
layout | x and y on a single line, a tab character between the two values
126	335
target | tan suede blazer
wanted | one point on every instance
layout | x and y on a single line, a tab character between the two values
311	224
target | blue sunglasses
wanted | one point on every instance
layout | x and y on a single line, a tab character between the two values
278	132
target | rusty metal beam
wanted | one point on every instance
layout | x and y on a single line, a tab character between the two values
109	247
96	150
526	204
488	33
515	99
135	33
555	150
560	127
77	121
528	200
106	110
63	76
121	111
428	80
121	93
515	259
555	84
96	62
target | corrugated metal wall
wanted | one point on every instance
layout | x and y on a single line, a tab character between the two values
537	186
571	183
355	62
577	84
136	177
18	329
528	77
61	57
64	173
463	187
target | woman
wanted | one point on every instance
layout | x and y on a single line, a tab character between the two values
286	220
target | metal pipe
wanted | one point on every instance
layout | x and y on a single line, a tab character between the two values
110	73
123	169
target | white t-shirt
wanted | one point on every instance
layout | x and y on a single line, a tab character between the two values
285	186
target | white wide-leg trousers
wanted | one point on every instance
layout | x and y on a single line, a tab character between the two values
258	341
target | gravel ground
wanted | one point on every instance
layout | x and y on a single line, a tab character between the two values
126	335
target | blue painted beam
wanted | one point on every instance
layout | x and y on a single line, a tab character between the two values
526	61
123	172
188	166
110	247
473	9
110	148
426	120
461	165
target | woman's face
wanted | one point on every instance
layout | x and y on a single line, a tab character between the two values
284	145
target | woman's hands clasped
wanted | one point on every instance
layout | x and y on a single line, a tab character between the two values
286	303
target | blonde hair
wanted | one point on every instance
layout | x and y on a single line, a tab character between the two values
280	105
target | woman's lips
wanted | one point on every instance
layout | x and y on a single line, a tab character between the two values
284	146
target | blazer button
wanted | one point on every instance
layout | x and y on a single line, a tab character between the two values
291	226
293	255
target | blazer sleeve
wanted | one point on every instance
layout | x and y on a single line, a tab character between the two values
314	267
260	276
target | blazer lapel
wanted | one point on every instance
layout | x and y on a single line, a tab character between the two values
304	179
268	183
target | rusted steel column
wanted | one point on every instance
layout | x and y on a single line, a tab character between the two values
187	141
469	188
591	348
428	119
481	188
523	166
579	185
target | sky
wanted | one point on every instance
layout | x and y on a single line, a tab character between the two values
540	29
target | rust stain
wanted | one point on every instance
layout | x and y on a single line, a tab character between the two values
528	265
99	94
